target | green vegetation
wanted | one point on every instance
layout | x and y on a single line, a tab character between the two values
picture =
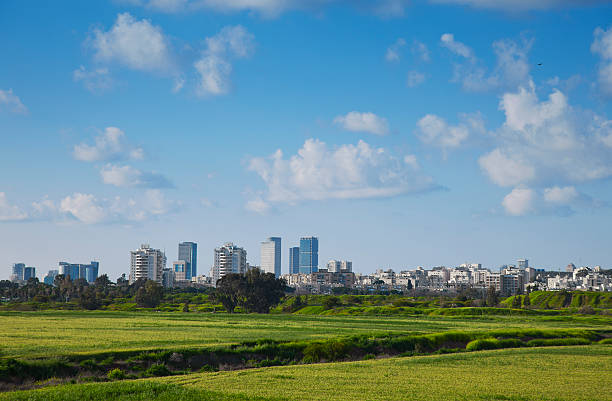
563	373
562	299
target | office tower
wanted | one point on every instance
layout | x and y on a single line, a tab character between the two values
294	260
75	270
28	273
50	277
168	278
271	256
18	269
180	270
188	252
147	263
228	259
309	255
522	264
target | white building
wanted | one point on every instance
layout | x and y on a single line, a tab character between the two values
337	266
229	259
147	263
271	256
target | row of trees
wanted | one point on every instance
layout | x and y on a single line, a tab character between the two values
254	291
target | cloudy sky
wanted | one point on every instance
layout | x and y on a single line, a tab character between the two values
401	133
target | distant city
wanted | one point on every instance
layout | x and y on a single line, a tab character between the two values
305	275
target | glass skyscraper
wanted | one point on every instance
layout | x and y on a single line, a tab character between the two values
309	255
271	256
294	260
75	271
188	252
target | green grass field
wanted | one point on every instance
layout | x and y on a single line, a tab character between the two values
557	373
56	333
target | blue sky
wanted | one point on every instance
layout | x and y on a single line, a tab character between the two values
400	133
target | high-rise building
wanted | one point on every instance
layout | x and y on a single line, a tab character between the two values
228	259
309	255
28	273
271	256
17	274
294	260
179	268
147	263
337	266
188	252
50	277
522	264
75	270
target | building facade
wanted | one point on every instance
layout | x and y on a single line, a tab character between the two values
75	270
294	260
180	268
188	252
50	277
17	272
228	259
309	255
147	263
271	256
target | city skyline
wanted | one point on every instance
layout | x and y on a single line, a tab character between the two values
401	136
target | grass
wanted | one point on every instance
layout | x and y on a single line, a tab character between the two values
59	333
553	373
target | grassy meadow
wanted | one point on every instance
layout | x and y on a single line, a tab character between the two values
555	373
57	333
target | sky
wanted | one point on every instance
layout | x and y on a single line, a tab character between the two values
401	133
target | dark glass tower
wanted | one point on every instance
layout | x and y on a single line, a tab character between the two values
309	255
188	251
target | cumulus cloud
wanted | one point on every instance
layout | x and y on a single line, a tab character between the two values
602	46
519	202
363	122
520	5
561	195
448	40
257	205
318	172
421	50
109	145
95	81
9	212
434	130
128	176
393	51
415	78
562	201
214	66
136	44
11	102
83	207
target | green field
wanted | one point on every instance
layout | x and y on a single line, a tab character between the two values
558	373
56	333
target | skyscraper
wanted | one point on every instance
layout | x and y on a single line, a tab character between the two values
294	260
309	255
75	270
523	264
147	263
28	273
188	251
18	269
50	277
228	259
271	256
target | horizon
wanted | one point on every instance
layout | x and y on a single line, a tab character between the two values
426	133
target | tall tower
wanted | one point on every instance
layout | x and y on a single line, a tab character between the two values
294	260
228	259
271	256
147	263
309	255
188	251
522	264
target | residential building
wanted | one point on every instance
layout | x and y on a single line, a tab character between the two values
309	255
180	268
228	259
337	266
294	260
188	252
50	277
75	271
168	278
147	263
271	256
522	264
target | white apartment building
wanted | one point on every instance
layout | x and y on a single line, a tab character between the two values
147	263
337	266
229	259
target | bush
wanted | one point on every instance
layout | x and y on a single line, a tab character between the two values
368	356
116	374
606	341
550	342
158	370
586	310
493	343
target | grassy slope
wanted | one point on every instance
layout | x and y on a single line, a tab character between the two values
567	373
49	333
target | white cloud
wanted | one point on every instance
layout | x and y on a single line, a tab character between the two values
109	145
415	78
127	176
317	172
393	51
420	49
561	195
96	81
602	45
519	202
11	102
448	40
434	130
10	212
83	207
519	5
257	205
168	6
363	122
507	169
214	67
136	44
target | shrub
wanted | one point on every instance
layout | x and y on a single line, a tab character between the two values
116	374
606	341
208	368
586	310
549	342
158	369
89	364
368	356
493	343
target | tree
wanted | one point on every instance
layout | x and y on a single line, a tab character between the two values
230	290
88	299
186	307
331	302
149	295
516	301
263	291
492	297
526	301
